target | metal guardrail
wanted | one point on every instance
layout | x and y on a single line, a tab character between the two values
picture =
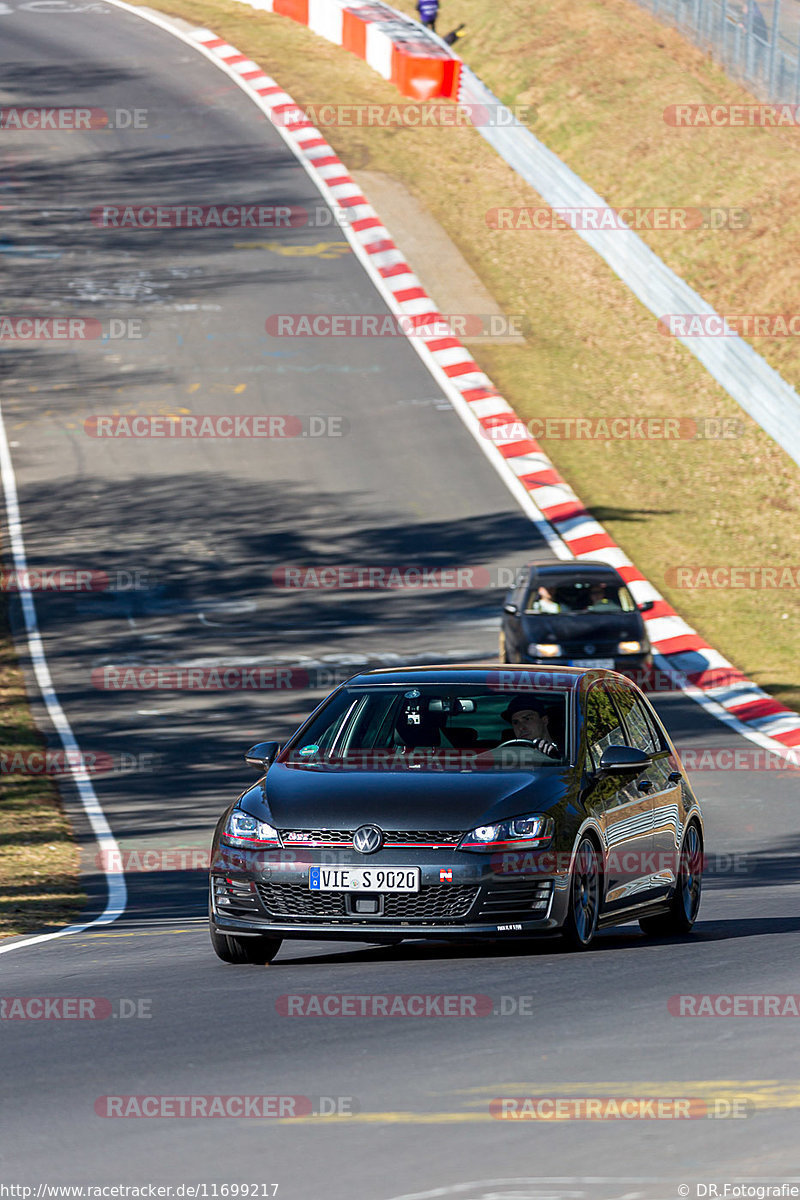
757	42
733	362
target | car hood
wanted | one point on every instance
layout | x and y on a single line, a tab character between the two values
578	627
320	798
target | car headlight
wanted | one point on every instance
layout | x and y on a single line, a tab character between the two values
243	830
527	832
544	650
629	648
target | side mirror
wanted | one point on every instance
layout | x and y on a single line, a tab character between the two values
646	606
511	608
262	754
623	760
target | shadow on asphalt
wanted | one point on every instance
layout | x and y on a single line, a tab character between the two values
612	940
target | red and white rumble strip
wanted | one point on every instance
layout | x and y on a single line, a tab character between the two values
700	670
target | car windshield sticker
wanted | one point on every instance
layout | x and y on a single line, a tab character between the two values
413	695
308	750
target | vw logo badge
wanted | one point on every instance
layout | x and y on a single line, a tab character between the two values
367	839
589	648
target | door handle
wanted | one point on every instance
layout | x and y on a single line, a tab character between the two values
645	785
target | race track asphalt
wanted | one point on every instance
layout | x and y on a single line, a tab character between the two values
202	527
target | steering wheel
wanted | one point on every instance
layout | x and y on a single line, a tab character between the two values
491	755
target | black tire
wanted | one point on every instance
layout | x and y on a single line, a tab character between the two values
258	950
685	902
585	889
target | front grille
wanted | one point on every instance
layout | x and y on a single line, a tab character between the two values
439	837
295	900
313	837
600	649
432	902
392	837
515	903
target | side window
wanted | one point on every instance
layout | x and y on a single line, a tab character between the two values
640	729
603	726
520	588
626	601
637	720
656	731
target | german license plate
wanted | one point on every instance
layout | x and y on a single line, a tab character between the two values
364	879
594	662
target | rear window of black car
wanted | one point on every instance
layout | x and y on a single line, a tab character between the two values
438	727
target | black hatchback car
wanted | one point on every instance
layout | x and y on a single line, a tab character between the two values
459	802
577	613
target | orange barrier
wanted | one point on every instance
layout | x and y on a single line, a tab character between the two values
296	9
395	46
354	33
421	76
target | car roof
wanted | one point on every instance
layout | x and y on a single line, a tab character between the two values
528	677
585	568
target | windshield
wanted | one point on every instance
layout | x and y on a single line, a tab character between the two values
579	596
438	727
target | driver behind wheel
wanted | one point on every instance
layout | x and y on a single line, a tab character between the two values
528	717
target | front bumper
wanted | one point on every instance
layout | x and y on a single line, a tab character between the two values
365	931
461	895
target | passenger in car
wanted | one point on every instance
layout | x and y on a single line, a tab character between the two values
544	602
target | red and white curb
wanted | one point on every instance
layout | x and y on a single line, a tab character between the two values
569	529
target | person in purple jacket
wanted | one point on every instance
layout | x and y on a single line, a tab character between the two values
428	11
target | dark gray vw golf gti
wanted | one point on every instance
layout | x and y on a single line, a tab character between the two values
460	802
